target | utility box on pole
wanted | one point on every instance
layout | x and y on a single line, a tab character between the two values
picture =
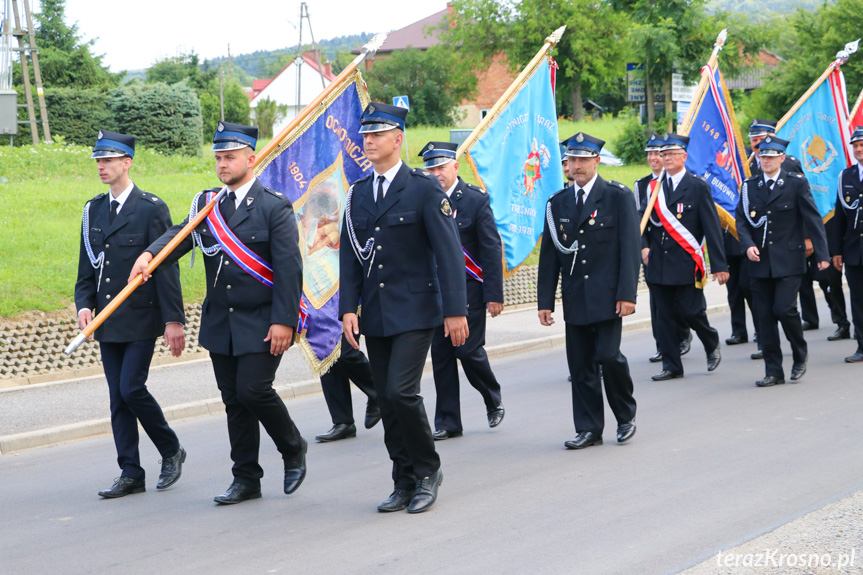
8	112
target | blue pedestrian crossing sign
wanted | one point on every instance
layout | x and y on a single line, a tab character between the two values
401	102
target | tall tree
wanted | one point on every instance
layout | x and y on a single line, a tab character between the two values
590	54
65	59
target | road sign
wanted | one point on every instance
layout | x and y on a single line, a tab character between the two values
401	102
680	90
635	85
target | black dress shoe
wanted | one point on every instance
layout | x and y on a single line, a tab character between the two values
665	374
399	499
656	357
625	431
856	358
339	431
797	370
757	355
441	434
686	344
172	468
713	359
840	333
237	493
373	415
295	470
583	439
124	486
736	340
809	326
495	416
769	380
426	492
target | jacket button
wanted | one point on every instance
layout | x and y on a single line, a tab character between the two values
584	261
459	224
770	243
380	266
130	241
107	263
108	296
377	228
228	286
381	285
107	246
107	280
379	248
231	310
768	211
585	277
401	219
227	262
253	237
430	285
581	231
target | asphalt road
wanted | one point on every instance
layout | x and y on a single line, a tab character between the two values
715	462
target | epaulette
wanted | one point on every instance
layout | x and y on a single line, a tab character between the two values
150	197
556	193
279	195
97	197
796	174
702	178
419	172
476	188
363	179
618	184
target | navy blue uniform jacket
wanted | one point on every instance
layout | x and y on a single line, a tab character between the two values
791	217
239	310
143	218
846	230
417	275
606	270
478	234
669	263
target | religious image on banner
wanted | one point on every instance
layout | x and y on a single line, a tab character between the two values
314	166
516	159
819	137
716	147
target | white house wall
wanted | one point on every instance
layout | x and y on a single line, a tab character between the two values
283	90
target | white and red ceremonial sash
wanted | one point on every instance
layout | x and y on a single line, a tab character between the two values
680	234
231	245
473	269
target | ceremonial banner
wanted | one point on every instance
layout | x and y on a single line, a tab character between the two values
817	129
516	159
716	149
313	165
856	114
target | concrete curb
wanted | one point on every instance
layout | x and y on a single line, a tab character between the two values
9	444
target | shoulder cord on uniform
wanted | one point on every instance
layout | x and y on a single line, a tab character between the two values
744	197
196	237
856	207
96	262
573	249
365	252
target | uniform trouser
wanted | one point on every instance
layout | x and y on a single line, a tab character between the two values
776	301
808	305
474	361
397	364
246	384
589	347
855	286
830	282
739	295
352	365
686	301
126	367
654	326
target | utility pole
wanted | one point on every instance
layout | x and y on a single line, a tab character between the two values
221	94
23	49
34	54
304	14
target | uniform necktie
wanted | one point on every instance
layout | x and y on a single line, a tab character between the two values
770	185
229	206
113	213
380	193
579	204
669	187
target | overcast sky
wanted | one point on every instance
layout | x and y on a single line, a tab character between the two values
133	35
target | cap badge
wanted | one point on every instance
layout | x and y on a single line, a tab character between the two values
221	127
768	139
431	147
579	138
653	137
101	135
371	109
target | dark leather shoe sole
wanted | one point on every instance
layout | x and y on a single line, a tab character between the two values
234	500
757	355
444	434
397	501
625	432
666	375
767	382
495	417
736	340
856	358
344	434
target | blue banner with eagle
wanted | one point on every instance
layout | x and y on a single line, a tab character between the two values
313	165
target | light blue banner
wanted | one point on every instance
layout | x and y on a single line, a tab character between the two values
518	161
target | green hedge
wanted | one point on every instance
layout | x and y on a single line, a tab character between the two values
164	118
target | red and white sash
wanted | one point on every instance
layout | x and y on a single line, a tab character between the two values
248	260
473	269
680	234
